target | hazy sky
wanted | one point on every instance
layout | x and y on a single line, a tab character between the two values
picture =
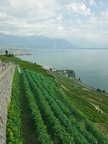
69	19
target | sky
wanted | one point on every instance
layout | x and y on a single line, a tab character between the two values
73	20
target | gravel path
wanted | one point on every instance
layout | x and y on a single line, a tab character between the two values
19	69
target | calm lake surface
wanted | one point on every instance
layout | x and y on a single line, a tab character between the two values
90	65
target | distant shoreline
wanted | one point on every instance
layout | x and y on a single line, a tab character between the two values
80	60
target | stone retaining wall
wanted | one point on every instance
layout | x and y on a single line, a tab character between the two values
6	78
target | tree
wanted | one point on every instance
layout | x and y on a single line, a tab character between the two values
11	55
6	52
99	90
103	91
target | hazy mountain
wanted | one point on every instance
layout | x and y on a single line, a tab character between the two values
34	42
8	40
83	43
105	46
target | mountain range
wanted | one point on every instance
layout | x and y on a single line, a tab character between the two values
34	42
37	42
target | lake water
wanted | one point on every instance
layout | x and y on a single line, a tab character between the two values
90	65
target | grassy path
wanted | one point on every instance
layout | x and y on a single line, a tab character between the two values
28	128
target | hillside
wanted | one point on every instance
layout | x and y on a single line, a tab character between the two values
51	108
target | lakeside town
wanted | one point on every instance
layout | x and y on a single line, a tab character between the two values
15	51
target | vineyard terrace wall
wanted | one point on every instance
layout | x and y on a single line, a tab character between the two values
6	78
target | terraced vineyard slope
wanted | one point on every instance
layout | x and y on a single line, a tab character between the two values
40	112
93	104
51	108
